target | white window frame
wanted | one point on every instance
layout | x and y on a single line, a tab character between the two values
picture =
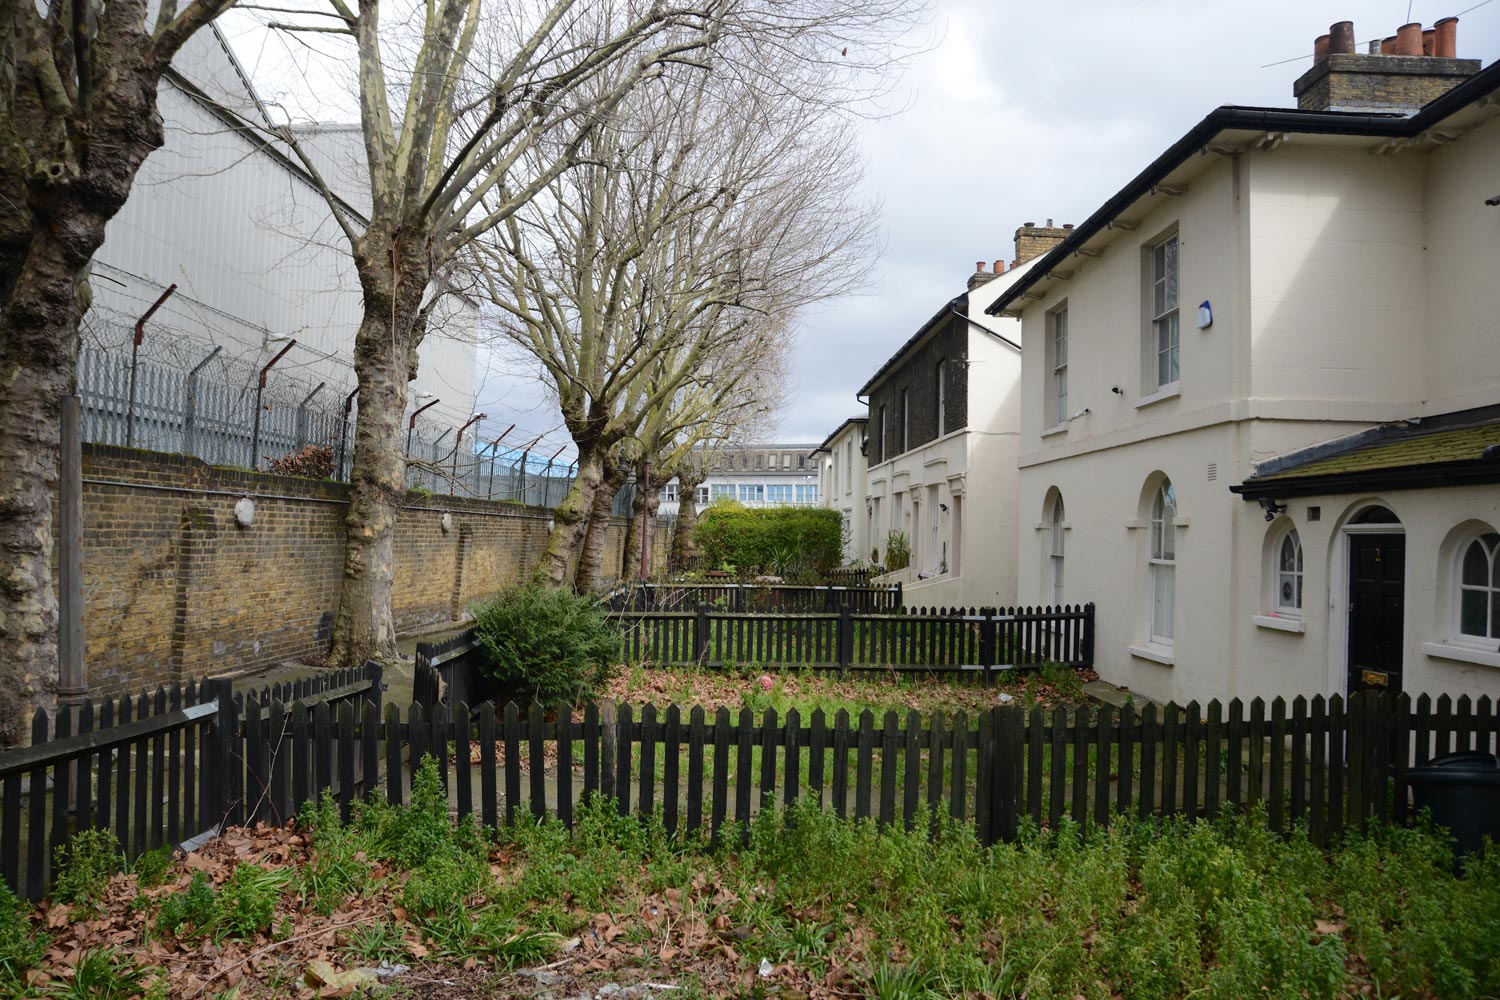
725	491
1489	542
1164	294
779	493
884	444
1281	575
942	397
669	493
702	494
1161	565
848	467
1057	351
1056	548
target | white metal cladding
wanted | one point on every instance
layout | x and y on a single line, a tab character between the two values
251	246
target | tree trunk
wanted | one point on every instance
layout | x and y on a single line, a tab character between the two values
642	507
64	176
570	520
683	550
394	278
38	366
590	574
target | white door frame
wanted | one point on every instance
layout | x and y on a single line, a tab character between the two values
1338	597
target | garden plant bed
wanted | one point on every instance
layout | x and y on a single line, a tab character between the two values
815	907
879	692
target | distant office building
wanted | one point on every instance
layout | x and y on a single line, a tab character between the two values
766	475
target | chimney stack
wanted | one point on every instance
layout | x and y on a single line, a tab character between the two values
1033	240
1400	73
981	275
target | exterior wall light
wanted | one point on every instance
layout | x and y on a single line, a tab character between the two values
244	512
447	522
1271	507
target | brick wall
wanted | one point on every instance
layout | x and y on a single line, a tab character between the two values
173	588
1345	81
917	375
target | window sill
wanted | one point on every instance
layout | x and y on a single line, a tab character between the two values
1155	652
1169	391
1462	653
1055	430
1279	623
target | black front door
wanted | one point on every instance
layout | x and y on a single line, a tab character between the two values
1377	575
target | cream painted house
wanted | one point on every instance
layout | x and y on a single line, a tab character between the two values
1258	422
842	475
943	440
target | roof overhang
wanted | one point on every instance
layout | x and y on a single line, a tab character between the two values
914	343
1406	477
1232	130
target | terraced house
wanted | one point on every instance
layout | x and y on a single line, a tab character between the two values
1259	424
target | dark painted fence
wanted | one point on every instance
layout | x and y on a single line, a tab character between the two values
1330	765
744	597
976	641
159	769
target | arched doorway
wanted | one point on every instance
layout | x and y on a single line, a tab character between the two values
1377	585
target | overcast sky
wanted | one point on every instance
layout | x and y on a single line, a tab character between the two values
1022	112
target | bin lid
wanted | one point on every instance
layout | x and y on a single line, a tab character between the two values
1463	760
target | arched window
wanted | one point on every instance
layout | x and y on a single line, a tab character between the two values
1055	551
1289	574
1161	563
1479	588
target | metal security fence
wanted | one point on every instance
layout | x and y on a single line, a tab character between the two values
219	414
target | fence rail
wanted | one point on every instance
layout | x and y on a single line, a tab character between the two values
1330	765
157	769
977	641
746	597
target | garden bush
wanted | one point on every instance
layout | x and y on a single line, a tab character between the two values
546	644
792	542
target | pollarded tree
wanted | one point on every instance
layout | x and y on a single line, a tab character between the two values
78	89
470	109
731	395
707	214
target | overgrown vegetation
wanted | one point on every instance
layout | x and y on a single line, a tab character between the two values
798	544
313	461
897	551
546	643
84	866
1143	911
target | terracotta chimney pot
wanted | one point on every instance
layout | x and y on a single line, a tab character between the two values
1388	46
979	267
1409	39
1429	42
1446	43
1067	225
1320	48
999	267
1341	37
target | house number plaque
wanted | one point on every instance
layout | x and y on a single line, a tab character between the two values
1376	678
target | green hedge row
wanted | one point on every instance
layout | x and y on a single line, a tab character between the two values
787	541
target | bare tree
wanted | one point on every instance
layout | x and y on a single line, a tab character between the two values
735	389
78	89
471	109
705	215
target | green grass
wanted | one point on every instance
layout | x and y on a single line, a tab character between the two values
1141	911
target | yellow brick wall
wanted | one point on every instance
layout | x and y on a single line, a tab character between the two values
174	589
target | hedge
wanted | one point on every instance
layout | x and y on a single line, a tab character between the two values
787	541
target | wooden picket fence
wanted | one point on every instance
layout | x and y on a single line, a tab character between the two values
978	641
757	597
1330	765
156	769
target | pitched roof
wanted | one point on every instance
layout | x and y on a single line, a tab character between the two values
836	432
1232	117
1449	450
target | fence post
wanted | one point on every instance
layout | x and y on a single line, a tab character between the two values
700	636
845	637
375	674
220	751
739	598
900	603
1088	635
987	651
